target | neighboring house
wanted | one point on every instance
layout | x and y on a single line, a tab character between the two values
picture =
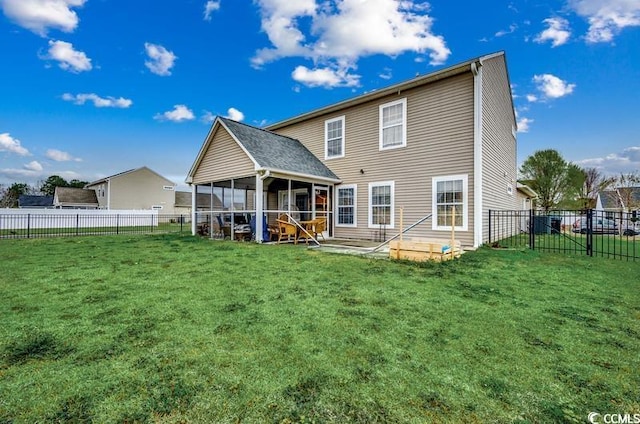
139	188
74	198
525	195
427	145
27	201
183	204
622	199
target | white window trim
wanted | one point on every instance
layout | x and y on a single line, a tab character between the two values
465	202
404	124
392	218
355	205
326	137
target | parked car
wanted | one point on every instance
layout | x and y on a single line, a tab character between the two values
631	229
598	225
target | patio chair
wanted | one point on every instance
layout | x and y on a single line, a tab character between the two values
287	230
319	228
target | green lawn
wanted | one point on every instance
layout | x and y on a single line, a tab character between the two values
180	329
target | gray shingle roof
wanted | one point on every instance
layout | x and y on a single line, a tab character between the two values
75	196
277	152
30	201
609	199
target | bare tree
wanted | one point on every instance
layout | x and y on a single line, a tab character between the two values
595	182
628	189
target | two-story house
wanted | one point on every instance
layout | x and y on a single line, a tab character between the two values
140	188
434	144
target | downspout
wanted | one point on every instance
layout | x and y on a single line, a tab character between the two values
194	207
478	224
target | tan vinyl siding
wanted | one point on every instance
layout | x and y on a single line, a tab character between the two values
498	144
223	160
439	143
141	189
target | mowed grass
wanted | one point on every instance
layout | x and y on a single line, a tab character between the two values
180	329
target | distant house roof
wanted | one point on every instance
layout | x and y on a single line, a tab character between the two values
30	201
609	199
183	199
526	190
75	197
120	174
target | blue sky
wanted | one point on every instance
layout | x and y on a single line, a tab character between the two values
90	88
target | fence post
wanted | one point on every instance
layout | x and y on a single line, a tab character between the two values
490	226
28	225
589	232
532	236
117	223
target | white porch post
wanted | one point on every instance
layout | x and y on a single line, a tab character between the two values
194	216
259	208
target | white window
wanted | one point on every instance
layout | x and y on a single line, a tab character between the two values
346	205
167	187
393	124
381	204
334	138
449	192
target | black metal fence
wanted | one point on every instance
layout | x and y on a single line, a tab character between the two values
36	225
587	232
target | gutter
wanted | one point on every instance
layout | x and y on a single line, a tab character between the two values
478	227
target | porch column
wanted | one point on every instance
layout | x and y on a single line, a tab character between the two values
194	216
259	208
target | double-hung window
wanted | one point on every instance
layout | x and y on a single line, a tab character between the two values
346	205
381	204
334	138
393	124
450	193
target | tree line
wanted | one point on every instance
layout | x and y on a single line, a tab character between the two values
564	185
9	195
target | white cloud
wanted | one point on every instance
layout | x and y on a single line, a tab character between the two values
160	60
69	59
511	30
615	163
179	113
98	101
12	145
523	124
532	98
41	15
335	34
557	32
235	114
386	74
553	87
607	17
34	166
210	7
60	156
325	77
208	117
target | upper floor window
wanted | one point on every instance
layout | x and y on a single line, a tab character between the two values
334	138
393	124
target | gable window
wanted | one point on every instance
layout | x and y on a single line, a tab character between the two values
449	192
334	138
381	204
393	124
346	205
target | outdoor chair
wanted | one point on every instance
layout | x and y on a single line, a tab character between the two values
287	230
319	227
